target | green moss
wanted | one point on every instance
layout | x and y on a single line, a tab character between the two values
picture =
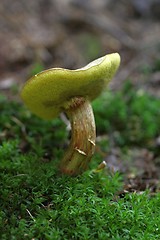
37	202
131	116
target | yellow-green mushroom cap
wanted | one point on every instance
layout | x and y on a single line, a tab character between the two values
46	93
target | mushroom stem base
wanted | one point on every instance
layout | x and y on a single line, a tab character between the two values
83	135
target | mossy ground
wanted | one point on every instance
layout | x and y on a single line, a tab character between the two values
38	202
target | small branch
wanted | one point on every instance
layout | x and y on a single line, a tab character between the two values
30	215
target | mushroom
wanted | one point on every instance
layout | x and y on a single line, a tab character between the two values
57	90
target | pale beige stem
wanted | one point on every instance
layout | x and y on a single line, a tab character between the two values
83	135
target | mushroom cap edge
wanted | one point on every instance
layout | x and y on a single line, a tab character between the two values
46	93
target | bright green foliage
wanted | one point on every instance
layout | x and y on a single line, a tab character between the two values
37	202
131	116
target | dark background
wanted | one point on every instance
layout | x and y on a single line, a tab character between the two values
35	35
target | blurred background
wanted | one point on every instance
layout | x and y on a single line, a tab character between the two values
36	35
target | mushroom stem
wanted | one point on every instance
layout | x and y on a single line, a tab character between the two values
83	135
